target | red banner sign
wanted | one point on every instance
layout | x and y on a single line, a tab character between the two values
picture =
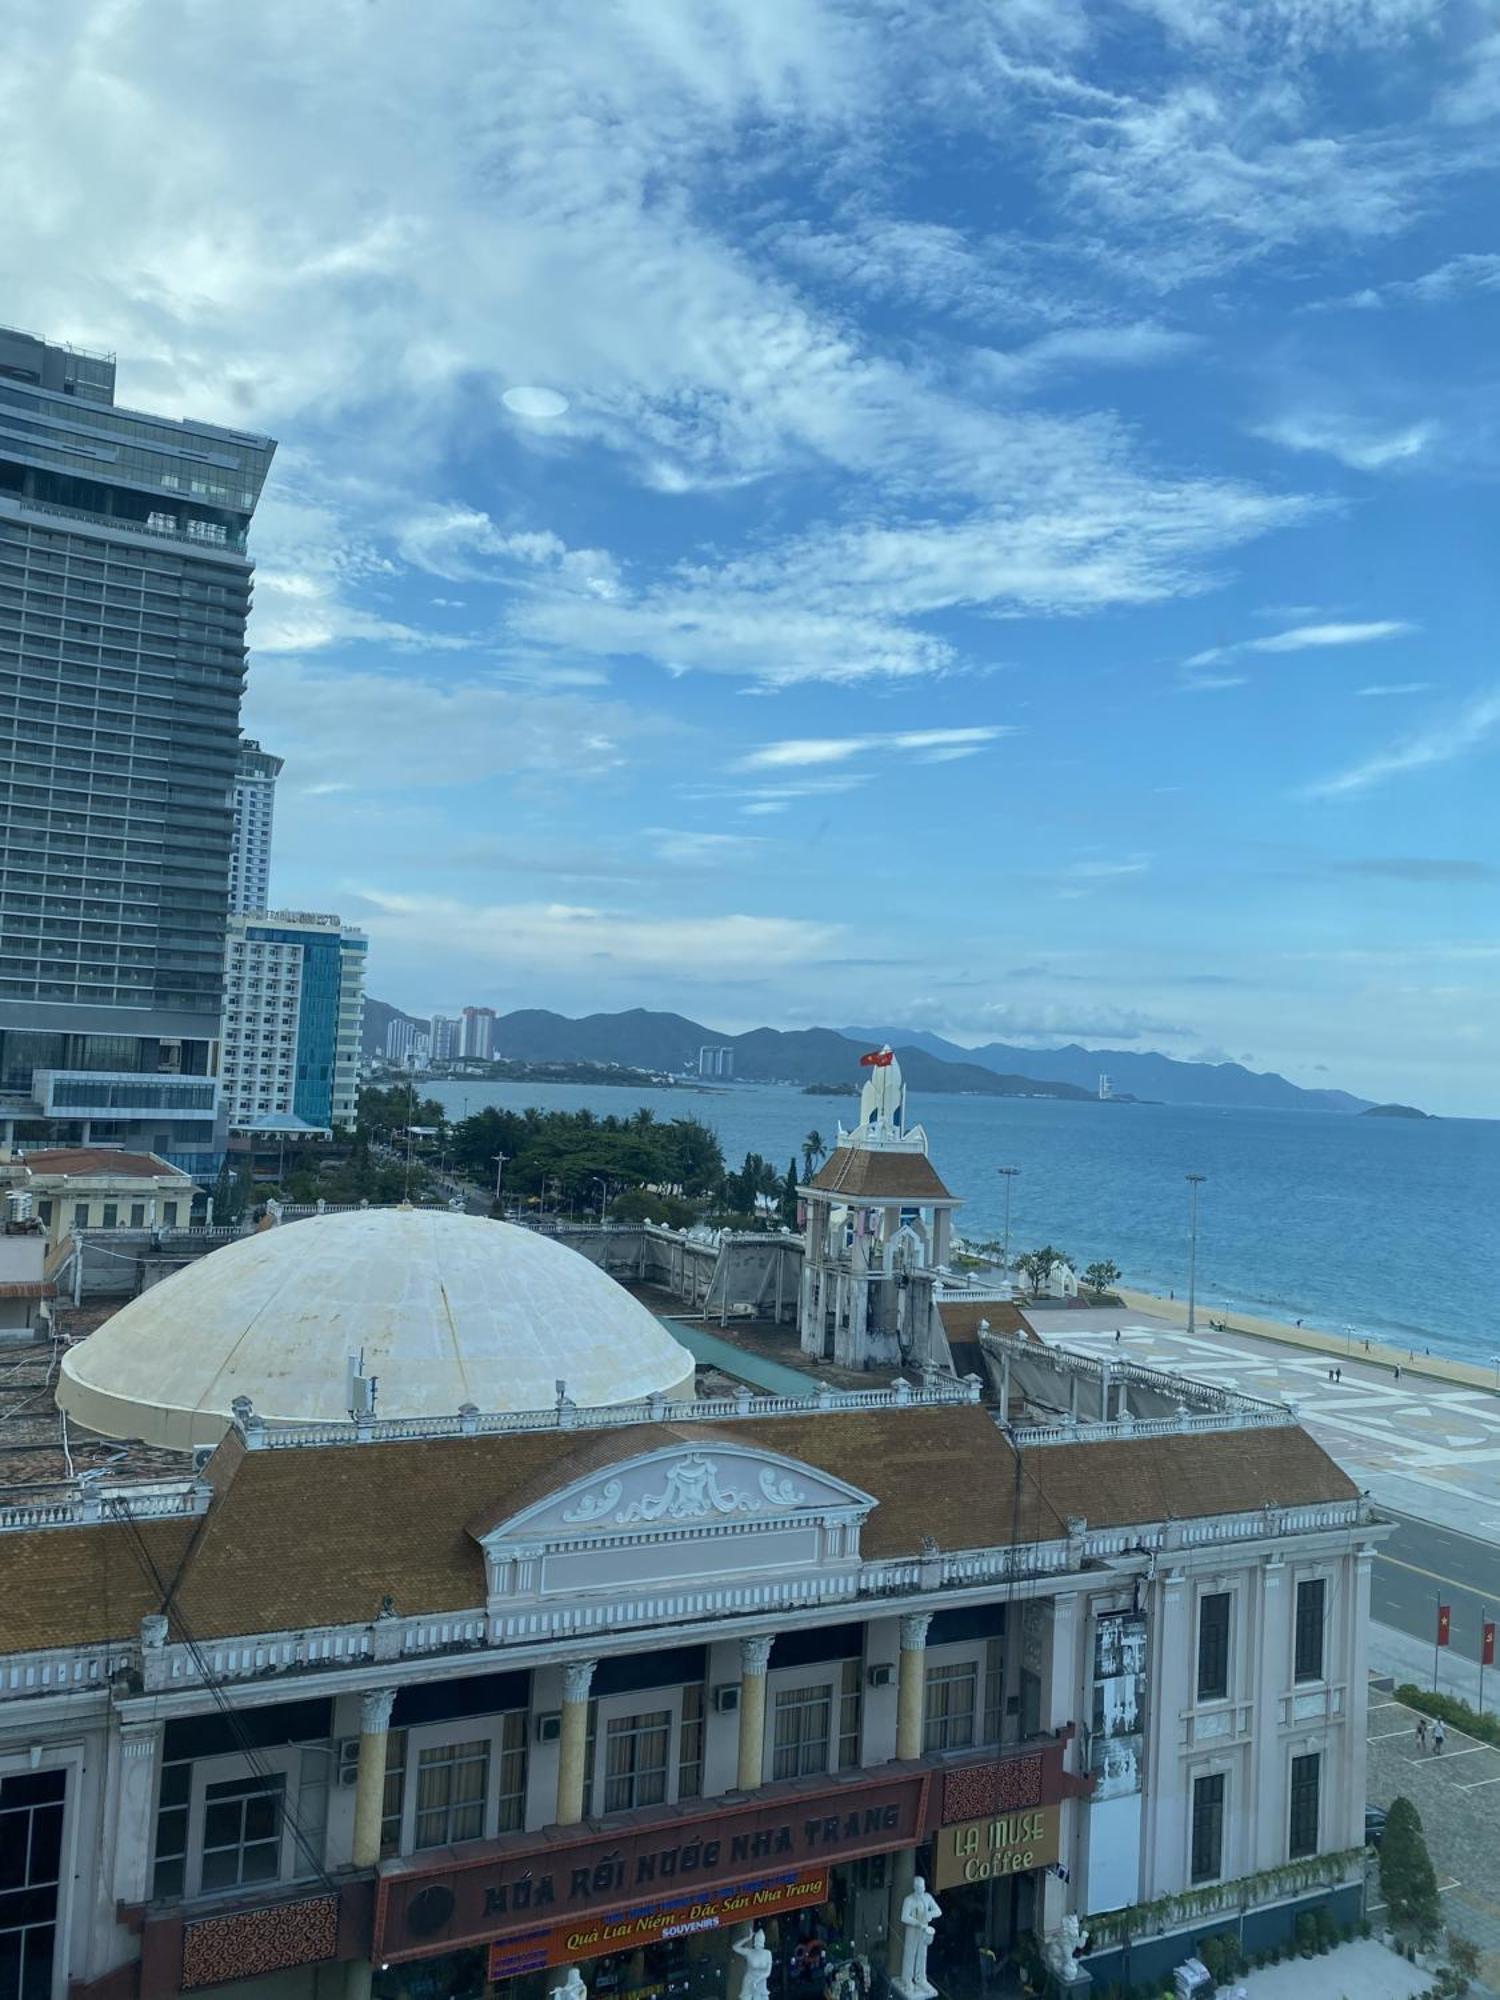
655	1923
528	1887
877	1059
1445	1618
1487	1643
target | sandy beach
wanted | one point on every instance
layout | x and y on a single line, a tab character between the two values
1439	1367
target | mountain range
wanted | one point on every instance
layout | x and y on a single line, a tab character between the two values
643	1039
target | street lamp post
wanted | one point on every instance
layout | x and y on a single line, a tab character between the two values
1007	1174
1194	1181
500	1159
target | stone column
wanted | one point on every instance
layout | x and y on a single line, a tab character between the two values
578	1676
755	1658
135	1797
1346	1650
911	1685
369	1785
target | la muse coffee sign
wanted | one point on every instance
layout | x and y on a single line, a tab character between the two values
980	1850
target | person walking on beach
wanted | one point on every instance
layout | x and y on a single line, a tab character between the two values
1396	1371
1438	1736
1338	1373
1421	1732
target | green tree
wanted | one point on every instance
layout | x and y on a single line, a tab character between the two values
789	1196
813	1149
1102	1276
1407	1879
1035	1267
652	1205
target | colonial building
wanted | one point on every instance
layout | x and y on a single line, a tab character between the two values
878	1236
546	1671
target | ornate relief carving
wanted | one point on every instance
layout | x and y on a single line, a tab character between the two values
692	1493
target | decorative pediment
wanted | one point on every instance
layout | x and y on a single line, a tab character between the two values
691	1486
674	1517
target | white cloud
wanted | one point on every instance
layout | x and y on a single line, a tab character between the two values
1362	446
1298	639
931	746
1395	687
560	938
1473	271
1129	344
1303	637
1467	730
369	731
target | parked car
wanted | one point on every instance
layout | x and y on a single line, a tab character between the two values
1374	1825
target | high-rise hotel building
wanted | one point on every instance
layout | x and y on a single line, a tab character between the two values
124	591
254	810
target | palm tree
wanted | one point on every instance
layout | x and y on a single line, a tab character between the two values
813	1150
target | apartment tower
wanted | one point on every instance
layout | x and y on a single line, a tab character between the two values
254	808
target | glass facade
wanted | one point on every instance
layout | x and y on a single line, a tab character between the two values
124	593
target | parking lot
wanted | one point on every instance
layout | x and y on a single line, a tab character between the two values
1457	1794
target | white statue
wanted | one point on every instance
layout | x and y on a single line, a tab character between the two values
919	1913
571	1988
1060	1949
755	1980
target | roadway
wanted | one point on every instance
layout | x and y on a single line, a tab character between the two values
1422	1564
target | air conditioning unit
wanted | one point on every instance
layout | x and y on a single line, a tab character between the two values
349	1760
727	1698
549	1726
881	1674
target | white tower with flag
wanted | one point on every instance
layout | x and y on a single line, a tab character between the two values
878	1235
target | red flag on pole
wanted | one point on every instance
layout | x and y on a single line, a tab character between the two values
1445	1613
1487	1643
877	1059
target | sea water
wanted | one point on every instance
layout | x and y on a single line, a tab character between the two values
1386	1226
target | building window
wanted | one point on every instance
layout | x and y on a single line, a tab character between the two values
172	1806
690	1743
80	1215
137	1215
242	1820
636	1753
803	1718
1303	1832
451	1783
1308	1664
1213	1646
849	1713
31	1824
1208	1827
111	1218
948	1705
169	1215
394	1793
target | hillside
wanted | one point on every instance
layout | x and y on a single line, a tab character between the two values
641	1039
1136	1072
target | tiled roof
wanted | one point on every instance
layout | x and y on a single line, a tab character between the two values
961	1318
862	1171
1183	1478
99	1160
309	1537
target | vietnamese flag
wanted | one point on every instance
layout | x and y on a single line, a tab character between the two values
1487	1643
1445	1614
877	1059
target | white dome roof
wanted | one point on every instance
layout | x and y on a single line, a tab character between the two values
447	1309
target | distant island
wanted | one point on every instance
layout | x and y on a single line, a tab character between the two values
830	1090
1394	1111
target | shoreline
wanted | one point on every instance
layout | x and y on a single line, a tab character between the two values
1315	1340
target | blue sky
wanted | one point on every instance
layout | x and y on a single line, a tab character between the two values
983	515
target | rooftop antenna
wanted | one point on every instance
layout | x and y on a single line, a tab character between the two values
359	1388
